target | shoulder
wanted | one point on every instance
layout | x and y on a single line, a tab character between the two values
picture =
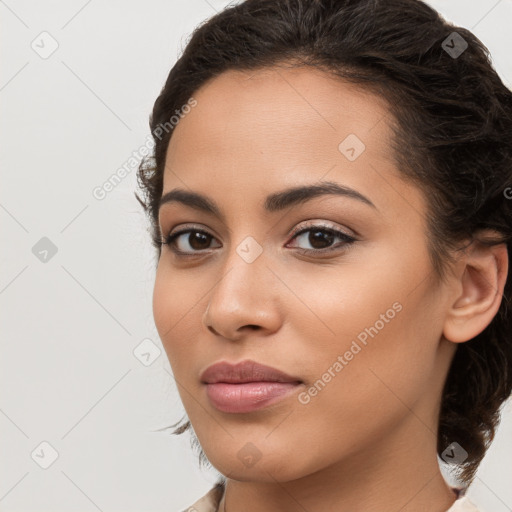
210	501
463	504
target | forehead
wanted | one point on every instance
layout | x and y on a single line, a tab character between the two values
273	108
269	129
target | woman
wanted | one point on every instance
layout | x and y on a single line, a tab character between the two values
330	202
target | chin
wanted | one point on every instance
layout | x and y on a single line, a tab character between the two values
268	468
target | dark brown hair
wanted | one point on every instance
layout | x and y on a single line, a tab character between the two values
452	122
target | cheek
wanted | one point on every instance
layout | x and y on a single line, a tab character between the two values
175	311
176	297
164	302
369	341
332	305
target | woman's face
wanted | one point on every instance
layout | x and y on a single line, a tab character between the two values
359	324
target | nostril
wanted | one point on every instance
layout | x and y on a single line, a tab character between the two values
249	326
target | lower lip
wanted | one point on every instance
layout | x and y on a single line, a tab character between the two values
247	396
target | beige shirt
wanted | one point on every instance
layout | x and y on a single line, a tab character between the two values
213	501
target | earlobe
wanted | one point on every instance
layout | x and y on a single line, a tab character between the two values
479	291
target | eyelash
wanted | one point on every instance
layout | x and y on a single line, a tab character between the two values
347	239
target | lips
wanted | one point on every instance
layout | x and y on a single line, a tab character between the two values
246	386
245	371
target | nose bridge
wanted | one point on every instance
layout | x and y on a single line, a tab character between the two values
241	297
243	270
245	252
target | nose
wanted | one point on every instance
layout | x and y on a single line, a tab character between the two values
244	299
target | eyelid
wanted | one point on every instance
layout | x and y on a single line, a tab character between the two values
320	224
312	223
171	221
191	227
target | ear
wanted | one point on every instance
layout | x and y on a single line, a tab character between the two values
481	277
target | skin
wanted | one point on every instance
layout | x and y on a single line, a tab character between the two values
367	440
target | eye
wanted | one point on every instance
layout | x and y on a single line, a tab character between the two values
321	237
193	241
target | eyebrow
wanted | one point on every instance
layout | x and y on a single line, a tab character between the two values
273	203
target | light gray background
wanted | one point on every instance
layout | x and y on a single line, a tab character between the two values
69	376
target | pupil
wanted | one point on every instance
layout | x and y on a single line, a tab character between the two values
196	237
323	237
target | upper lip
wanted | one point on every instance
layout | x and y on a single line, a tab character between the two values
245	371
